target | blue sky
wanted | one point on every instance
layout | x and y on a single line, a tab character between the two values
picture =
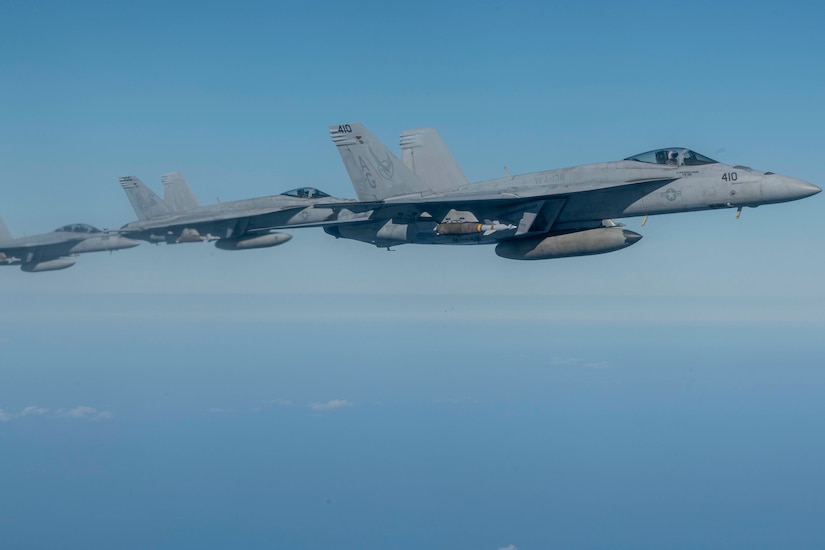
329	394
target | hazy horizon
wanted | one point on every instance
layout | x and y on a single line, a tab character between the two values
329	394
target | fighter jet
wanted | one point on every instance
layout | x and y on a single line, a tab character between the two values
238	225
552	214
50	251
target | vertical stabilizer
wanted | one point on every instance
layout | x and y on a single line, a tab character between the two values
177	194
4	232
375	172
146	203
425	154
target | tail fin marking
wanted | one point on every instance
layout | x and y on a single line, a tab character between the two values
145	202
375	172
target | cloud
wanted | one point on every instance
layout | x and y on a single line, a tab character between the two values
83	412
508	547
33	410
77	412
560	361
330	405
28	411
596	365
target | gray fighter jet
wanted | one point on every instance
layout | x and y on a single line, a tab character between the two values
50	251
552	214
238	225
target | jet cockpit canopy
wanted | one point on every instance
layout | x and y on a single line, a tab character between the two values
305	193
78	228
673	156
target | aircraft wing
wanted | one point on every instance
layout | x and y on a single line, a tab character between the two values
237	222
51	248
532	213
48	244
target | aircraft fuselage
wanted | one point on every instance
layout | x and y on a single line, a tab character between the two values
576	198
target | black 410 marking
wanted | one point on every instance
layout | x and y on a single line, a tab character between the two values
730	176
345	128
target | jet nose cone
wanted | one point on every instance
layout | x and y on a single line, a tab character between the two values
805	189
630	237
798	189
